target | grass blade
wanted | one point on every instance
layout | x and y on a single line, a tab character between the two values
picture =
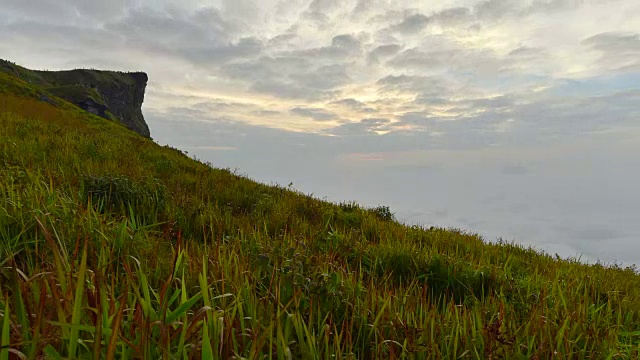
6	339
207	350
52	353
77	304
115	328
184	307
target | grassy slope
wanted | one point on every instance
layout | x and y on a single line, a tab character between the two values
113	245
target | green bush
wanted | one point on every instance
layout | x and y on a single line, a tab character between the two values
383	213
120	194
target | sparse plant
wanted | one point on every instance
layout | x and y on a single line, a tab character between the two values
383	213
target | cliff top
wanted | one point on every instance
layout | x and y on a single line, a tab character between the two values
50	78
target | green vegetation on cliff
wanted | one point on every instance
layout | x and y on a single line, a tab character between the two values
114	247
110	94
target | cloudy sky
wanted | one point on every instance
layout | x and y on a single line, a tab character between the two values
513	119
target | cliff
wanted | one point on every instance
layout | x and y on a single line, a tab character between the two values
109	94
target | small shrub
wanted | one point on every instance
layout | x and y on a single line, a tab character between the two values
308	209
348	219
349	206
264	206
383	213
121	194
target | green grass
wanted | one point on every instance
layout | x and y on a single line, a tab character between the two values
114	247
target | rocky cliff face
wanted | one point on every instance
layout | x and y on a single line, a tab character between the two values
110	94
122	93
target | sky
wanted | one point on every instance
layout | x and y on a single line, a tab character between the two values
512	119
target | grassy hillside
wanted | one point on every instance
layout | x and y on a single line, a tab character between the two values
114	247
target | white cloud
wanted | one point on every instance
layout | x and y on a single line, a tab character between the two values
314	113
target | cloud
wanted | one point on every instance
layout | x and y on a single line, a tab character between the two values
345	41
453	16
353	105
614	41
319	11
618	50
363	127
285	77
342	47
517	120
69	12
413	24
449	56
322	6
204	36
267	113
383	52
289	90
494	10
243	48
552	6
312	74
514	169
281	39
316	114
363	6
420	86
527	52
492	103
595	233
323	78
